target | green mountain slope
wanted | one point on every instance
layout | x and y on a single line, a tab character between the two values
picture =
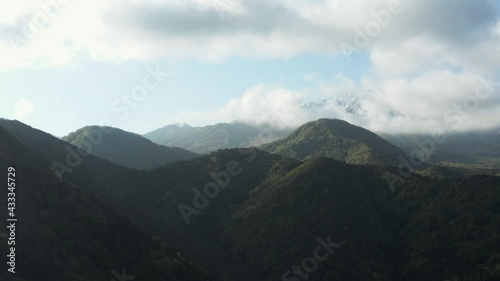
124	148
132	192
270	212
220	136
449	228
111	182
476	152
289	205
279	226
65	233
338	140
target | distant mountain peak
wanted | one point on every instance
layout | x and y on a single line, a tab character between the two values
206	139
182	125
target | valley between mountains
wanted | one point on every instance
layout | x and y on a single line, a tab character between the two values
326	201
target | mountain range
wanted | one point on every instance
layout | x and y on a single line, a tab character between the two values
465	153
248	214
460	153
64	232
213	137
469	152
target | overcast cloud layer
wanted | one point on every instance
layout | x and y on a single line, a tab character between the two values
431	61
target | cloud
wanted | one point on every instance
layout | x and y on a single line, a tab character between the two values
496	31
426	58
113	30
258	105
435	100
23	108
439	100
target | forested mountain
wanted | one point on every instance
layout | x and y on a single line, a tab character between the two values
125	148
64	232
131	192
101	176
338	140
211	138
250	215
477	152
320	140
278	224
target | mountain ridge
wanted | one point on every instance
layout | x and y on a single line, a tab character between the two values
267	218
66	233
339	140
122	147
206	139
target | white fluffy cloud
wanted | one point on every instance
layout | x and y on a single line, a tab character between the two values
440	100
259	104
426	56
53	33
23	108
435	100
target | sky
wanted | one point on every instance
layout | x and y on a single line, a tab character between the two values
406	66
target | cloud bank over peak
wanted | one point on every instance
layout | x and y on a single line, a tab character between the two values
440	101
426	58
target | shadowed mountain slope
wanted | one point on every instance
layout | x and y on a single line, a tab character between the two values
125	148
